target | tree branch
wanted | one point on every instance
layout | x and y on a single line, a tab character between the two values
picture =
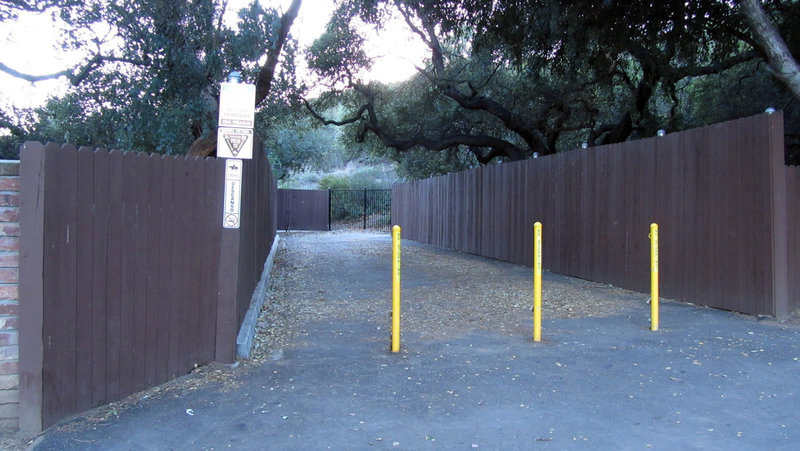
75	78
354	118
498	147
267	72
776	52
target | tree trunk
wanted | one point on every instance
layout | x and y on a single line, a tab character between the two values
781	62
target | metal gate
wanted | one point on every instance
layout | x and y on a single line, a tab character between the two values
367	209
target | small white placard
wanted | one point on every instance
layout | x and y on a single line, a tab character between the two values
231	214
235	143
237	104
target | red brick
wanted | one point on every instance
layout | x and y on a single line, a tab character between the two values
9	167
8	322
8	353
7	396
9	410
9	292
9	214
9	424
9	199
9	337
9	259
9	382
9	275
9	243
9	229
9	183
9	308
10	367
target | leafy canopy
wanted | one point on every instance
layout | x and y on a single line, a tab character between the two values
511	78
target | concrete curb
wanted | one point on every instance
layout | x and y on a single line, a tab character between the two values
244	341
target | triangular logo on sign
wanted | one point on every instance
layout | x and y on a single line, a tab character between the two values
235	142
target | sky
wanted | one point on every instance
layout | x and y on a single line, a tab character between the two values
30	46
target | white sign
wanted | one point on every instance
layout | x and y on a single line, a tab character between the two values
235	143
231	214
237	105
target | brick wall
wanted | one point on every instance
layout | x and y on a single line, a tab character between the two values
9	298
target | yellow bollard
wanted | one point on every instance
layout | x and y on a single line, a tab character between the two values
396	289
537	281
653	276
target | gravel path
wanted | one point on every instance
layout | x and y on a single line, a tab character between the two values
347	276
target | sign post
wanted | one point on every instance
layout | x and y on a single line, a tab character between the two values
235	141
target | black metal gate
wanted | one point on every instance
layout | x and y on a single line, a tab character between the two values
363	209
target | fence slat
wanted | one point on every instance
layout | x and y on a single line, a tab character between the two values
100	273
114	277
84	278
155	246
165	270
142	263
60	326
128	279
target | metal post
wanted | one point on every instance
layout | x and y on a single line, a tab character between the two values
537	281
365	209
396	288
653	276
329	210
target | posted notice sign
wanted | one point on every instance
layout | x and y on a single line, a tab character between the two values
237	105
236	120
231	214
235	143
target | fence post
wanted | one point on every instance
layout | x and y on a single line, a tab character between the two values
228	289
31	286
329	209
365	209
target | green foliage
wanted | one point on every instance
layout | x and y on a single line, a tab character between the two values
510	78
364	177
162	61
338	53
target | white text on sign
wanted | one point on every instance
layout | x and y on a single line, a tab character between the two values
231	214
237	103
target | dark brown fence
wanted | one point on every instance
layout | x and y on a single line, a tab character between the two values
300	209
726	205
793	234
128	278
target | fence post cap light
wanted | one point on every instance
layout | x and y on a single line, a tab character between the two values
769	110
661	132
234	77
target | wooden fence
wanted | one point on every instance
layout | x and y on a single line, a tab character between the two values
300	209
127	277
726	205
